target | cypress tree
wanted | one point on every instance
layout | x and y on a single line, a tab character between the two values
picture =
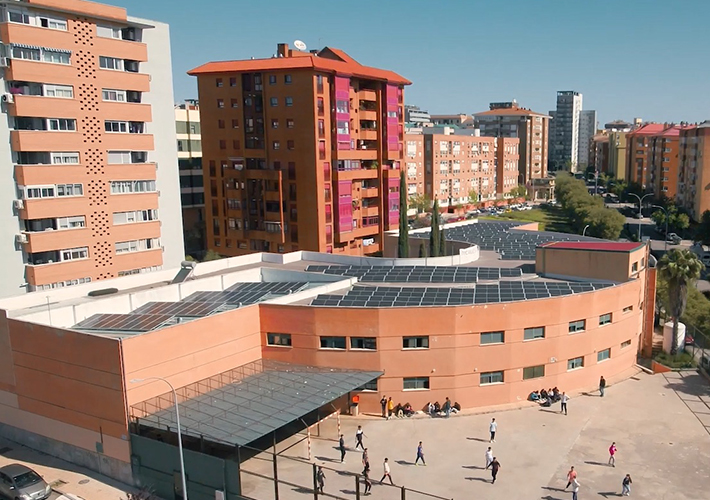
434	236
403	242
422	251
442	241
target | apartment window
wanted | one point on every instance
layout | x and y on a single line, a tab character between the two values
52	191
61	124
56	56
236	144
287	79
220	103
274	101
234	103
290	145
272	79
113	95
369	387
18	17
219	82
634	267
75	254
127	157
222	144
534	333
71	222
628	309
289	122
415	343
533	372
63	91
343	127
276	145
111	63
573	364
415	383
135	216
321	106
625	344
367	343
220	123
116	127
332	342
232	82
65	158
235	123
122	187
605	319
108	32
279	339
603	355
27	54
319	83
492	338
274	123
289	101
488	378
137	245
577	326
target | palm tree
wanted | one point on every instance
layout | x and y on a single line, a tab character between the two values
680	268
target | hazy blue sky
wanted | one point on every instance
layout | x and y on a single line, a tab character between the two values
647	58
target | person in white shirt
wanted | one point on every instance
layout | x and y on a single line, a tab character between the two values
493	428
564	400
386	466
489	457
575	488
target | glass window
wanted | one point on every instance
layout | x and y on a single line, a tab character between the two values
534	333
573	364
369	387
492	338
415	343
287	79
274	101
491	378
220	103
332	342
289	101
369	343
415	383
605	319
577	326
219	82
289	122
603	355
110	63
628	309
625	343
280	339
65	91
533	372
272	79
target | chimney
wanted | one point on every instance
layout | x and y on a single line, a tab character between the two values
282	50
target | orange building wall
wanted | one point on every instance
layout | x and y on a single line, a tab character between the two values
413	165
665	175
597	265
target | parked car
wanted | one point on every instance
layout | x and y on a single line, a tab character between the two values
18	481
673	239
689	340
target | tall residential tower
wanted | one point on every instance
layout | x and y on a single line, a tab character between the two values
564	134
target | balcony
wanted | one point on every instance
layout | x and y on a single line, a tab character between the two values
369	134
29	35
46	208
368	114
42	140
49	240
131	171
136	230
121	49
367	95
59	271
132	201
110	79
136	260
359	173
40	107
370	211
369	192
30	175
128	142
36	71
126	111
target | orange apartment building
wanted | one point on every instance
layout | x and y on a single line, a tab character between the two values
414	163
507	119
300	151
653	159
694	169
87	98
639	143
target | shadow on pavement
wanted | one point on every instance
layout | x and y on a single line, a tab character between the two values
548	497
478	439
404	462
327	459
607	494
481	479
473	467
692	384
552	488
596	463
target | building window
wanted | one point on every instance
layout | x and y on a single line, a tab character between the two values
222	144
415	343
289	101
274	123
135	216
122	187
274	101
110	63
218	82
220	103
75	254
289	122
573	364
634	267
491	378
235	123
369	387
276	145
605	319
287	79
534	333
234	103
232	82
109	32
279	339
272	79
625	344
290	145
137	245
64	91
628	309
603	355
236	144
577	326
366	343
415	383
492	338
113	95
220	123
332	342
533	372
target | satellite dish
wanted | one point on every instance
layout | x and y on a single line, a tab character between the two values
299	45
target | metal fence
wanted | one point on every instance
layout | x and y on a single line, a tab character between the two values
697	344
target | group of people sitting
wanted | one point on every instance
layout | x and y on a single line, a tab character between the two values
546	397
435	409
404	410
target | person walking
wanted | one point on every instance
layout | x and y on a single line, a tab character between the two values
386	467
489	457
612	453
626	486
564	400
571	476
602	386
447	407
390	408
493	427
368	483
342	448
320	479
383	404
420	454
358	437
495	465
365	459
575	488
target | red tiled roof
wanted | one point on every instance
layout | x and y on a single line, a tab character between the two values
509	112
600	246
345	67
673	131
649	129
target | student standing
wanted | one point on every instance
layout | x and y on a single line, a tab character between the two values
342	448
612	453
626	486
383	404
386	467
358	437
571	476
320	478
489	457
447	407
420	454
368	483
493	428
575	489
602	386
495	465
390	408
365	459
564	400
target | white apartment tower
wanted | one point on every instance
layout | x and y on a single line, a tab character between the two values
587	129
564	136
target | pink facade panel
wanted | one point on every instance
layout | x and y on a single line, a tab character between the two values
392	119
342	111
344	207
393	200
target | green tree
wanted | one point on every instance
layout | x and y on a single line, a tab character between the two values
677	221
473	196
434	235
605	223
421	202
680	268
519	191
403	240
619	188
211	255
702	231
442	241
422	251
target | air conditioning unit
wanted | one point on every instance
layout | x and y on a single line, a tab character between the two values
8	98
4	62
21	238
19	204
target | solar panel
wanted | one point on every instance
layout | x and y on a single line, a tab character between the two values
184	309
123	322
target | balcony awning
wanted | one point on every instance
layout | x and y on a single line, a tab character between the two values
25	46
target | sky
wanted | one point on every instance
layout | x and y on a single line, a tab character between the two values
630	58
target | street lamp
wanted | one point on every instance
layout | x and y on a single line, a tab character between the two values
640	198
177	419
585	229
665	244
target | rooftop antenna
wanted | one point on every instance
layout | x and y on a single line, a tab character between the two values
300	45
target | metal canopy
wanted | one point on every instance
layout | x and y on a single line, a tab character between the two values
266	396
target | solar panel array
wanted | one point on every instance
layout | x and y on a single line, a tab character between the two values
419	274
505	291
242	294
135	323
503	238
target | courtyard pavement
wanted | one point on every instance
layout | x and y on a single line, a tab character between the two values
661	442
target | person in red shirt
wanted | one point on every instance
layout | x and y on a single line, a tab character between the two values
612	452
571	476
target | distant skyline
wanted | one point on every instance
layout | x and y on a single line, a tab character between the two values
637	58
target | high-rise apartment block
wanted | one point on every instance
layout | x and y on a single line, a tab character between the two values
87	92
587	129
564	134
414	164
694	169
192	191
460	120
653	157
507	119
301	151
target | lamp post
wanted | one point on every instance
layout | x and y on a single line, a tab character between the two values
177	420
585	229
665	244
640	198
